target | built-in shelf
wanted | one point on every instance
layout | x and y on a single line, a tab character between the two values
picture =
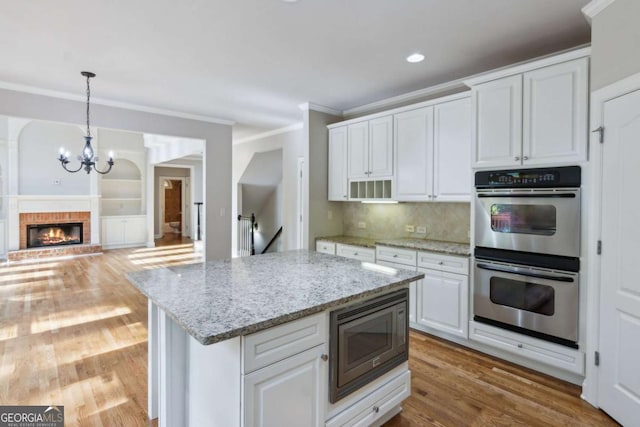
122	190
370	190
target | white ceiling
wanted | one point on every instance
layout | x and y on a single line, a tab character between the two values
255	61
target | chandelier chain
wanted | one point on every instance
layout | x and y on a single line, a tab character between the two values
88	96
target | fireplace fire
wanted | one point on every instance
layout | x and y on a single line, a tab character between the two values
47	235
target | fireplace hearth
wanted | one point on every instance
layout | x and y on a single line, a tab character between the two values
48	235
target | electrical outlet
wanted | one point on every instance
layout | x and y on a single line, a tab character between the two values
362	224
409	228
421	229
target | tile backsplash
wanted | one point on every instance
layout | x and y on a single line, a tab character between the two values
449	222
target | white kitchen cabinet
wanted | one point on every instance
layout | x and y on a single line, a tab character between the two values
291	392
123	231
452	151
566	358
337	189
326	247
356	252
370	149
536	116
370	410
443	302
432	152
497	122
443	294
555	105
413	155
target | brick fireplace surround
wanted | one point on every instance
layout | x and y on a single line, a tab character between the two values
54	218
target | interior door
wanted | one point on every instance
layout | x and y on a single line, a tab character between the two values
619	373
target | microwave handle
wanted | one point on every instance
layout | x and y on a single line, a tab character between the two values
401	325
525	273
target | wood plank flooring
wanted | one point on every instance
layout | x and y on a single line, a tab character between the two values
74	333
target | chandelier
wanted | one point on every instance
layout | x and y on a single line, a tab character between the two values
88	159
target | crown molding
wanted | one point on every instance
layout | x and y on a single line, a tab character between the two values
109	103
321	108
410	96
595	7
269	133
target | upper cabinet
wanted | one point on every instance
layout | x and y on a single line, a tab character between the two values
534	114
338	164
370	149
432	152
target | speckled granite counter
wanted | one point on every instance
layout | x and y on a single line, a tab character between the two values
348	240
448	248
218	300
405	243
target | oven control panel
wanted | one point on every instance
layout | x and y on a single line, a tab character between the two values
545	178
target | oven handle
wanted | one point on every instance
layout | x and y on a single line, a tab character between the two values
525	273
529	195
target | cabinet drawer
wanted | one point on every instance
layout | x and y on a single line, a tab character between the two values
542	351
356	252
452	264
274	344
326	247
396	255
375	405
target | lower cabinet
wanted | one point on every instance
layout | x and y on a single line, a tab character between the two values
291	392
356	252
325	247
373	407
123	231
443	302
566	358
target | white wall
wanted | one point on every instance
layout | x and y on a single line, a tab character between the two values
217	152
291	145
615	43
38	170
269	221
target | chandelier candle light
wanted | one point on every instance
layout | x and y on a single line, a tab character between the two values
87	160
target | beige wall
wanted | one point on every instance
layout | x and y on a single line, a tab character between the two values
318	209
449	222
615	43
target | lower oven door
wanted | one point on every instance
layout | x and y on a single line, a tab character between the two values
538	300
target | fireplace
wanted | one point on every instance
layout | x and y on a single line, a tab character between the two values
47	235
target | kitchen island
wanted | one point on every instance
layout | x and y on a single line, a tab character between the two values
224	336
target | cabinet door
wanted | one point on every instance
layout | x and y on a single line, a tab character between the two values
452	151
112	231
413	155
291	392
338	164
135	230
381	147
497	122
555	113
443	302
358	150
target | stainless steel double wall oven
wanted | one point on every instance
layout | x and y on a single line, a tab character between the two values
527	236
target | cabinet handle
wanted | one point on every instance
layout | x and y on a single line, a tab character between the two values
519	345
435	196
440	262
324	357
430	196
516	158
525	157
376	409
395	255
345	196
355	254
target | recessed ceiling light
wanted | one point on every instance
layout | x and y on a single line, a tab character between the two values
415	57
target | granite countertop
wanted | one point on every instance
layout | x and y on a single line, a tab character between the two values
218	300
448	248
349	240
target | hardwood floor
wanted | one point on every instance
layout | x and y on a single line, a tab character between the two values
74	333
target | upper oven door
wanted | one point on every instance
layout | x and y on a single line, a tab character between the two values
541	221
